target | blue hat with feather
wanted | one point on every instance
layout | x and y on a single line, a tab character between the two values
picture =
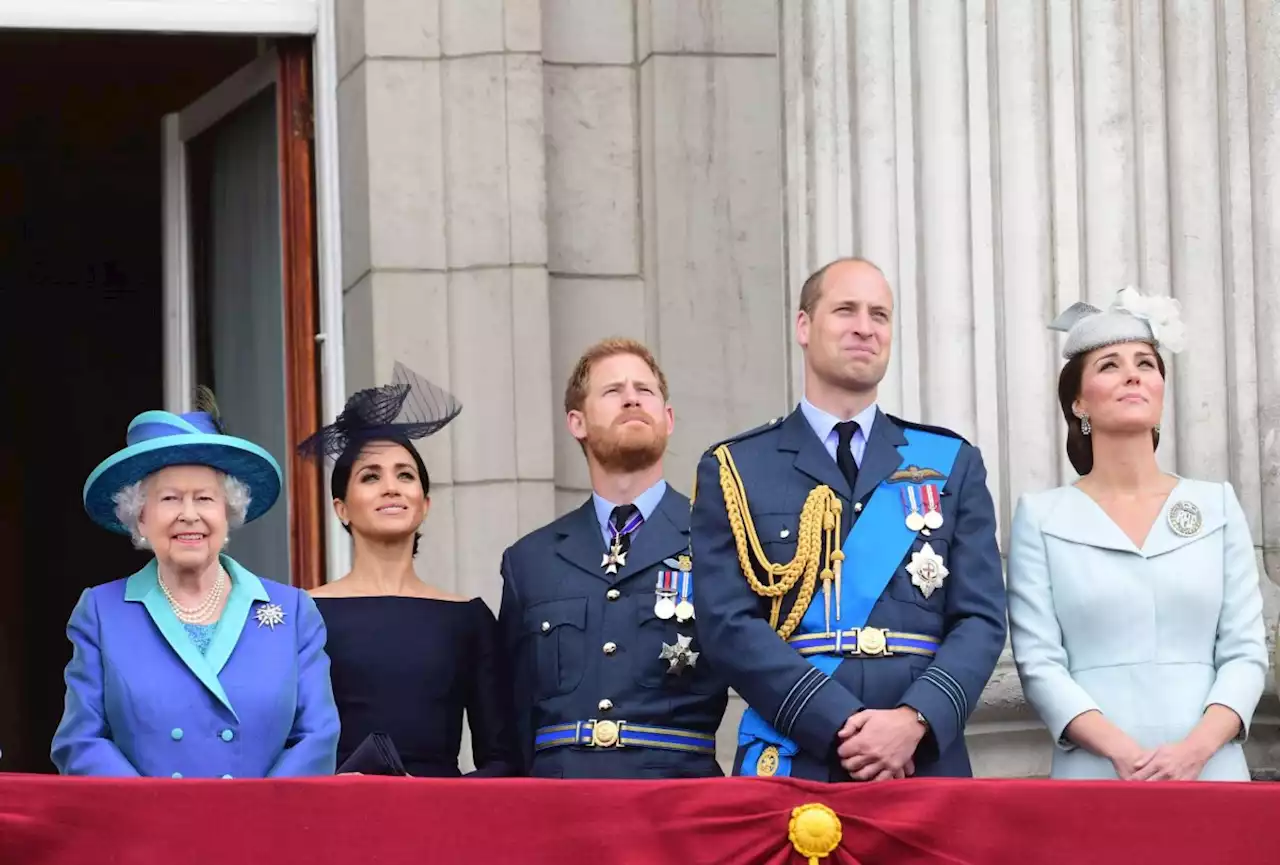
159	439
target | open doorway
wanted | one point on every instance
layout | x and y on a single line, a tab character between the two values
84	299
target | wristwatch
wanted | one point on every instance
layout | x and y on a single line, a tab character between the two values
921	718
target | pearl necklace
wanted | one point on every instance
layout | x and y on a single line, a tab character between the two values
202	612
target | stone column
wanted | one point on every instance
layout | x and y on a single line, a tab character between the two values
716	307
593	199
710	146
445	253
1253	82
1255	88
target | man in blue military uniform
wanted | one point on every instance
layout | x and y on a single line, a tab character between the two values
598	608
849	581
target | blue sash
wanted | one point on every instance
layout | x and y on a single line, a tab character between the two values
873	550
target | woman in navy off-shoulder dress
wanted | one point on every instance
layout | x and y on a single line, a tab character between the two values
407	659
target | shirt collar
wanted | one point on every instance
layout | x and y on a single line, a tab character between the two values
647	502
824	422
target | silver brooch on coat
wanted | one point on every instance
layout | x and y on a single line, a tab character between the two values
1185	519
269	615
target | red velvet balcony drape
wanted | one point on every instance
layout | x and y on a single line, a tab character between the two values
64	821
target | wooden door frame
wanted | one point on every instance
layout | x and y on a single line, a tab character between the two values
287	67
295	118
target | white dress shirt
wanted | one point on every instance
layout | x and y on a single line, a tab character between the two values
824	426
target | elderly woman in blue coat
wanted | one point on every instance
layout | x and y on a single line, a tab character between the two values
193	667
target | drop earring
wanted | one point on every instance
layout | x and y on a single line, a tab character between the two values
1085	426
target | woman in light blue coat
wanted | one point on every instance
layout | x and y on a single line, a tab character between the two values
193	667
1134	606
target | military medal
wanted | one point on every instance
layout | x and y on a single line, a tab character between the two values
927	570
932	507
915	520
679	656
665	605
614	558
684	609
617	557
767	763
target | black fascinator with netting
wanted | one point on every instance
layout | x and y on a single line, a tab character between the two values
409	408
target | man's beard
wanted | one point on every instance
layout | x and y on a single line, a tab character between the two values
619	448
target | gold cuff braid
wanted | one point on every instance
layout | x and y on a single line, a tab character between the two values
817	543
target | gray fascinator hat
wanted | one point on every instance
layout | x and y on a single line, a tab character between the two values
1132	317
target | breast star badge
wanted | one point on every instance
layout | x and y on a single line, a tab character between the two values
269	615
927	570
679	656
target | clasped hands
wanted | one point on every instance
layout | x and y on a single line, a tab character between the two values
879	744
1178	761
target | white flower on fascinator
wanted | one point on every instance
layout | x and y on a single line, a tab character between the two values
1164	314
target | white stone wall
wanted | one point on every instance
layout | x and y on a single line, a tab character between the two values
445	254
523	177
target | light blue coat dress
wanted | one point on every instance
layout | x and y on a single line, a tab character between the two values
143	699
1150	637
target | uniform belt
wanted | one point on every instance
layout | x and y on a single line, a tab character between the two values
865	643
620	734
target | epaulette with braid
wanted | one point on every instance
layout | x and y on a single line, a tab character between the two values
743	436
817	544
755	431
924	427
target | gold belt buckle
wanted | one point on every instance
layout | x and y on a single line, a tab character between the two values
873	642
605	734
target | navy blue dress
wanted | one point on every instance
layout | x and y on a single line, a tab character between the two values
409	667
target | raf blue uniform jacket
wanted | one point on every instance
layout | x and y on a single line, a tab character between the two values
142	700
560	610
779	465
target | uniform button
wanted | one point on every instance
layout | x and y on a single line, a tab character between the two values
226	777
785	533
605	705
546	626
610	648
176	775
857	507
227	735
176	734
613	594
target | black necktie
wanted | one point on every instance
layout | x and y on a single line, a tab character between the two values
622	515
844	452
